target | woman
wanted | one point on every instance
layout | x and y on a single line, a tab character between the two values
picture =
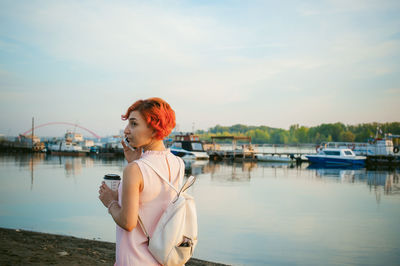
141	190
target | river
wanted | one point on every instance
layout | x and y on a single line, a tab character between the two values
248	213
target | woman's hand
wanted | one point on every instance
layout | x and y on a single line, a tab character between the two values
106	195
130	153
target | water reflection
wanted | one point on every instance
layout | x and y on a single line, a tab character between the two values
377	180
72	165
383	181
386	181
346	174
230	171
242	171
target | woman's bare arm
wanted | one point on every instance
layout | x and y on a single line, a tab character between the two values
126	216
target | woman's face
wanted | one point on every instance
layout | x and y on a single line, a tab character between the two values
137	131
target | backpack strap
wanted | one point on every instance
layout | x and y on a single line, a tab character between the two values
189	182
143	229
158	172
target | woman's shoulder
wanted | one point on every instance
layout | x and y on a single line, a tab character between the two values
133	175
155	156
180	160
132	169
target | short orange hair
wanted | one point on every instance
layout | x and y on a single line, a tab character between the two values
157	113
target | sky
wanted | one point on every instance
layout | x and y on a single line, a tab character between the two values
273	63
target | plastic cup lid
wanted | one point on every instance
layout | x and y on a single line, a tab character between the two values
112	177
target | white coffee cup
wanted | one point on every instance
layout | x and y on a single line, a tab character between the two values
112	181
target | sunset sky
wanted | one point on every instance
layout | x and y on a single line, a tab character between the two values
273	63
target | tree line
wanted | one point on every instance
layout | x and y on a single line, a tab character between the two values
301	134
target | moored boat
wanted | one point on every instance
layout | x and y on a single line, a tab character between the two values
67	148
188	146
381	144
336	156
70	145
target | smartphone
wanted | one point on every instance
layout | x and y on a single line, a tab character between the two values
127	144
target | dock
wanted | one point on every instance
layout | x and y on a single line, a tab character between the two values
240	155
234	155
383	160
249	152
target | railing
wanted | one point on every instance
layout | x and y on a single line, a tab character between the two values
271	148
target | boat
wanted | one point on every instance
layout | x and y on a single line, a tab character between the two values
381	144
374	147
67	148
70	145
273	158
336	156
188	146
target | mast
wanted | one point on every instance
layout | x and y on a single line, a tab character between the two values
33	126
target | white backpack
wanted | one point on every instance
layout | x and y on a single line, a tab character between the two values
175	235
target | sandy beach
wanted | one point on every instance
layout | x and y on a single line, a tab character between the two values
20	247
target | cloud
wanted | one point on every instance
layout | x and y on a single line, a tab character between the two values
215	63
107	34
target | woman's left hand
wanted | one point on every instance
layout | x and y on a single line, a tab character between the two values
130	153
106	195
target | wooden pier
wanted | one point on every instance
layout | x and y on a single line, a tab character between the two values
249	152
234	155
383	160
240	155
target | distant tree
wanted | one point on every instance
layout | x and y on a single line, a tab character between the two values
301	134
347	136
258	136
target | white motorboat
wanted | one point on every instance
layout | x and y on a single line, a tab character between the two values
375	146
337	156
188	146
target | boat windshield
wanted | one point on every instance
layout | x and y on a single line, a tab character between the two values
177	145
188	145
197	146
348	153
337	153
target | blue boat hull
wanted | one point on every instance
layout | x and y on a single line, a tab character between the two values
334	161
180	152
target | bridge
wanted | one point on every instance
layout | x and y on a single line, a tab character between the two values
62	123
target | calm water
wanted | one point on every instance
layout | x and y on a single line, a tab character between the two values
249	213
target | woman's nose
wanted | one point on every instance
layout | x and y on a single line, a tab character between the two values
126	130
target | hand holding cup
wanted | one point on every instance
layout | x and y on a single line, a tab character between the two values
108	190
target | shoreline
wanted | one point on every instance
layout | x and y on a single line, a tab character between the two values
22	247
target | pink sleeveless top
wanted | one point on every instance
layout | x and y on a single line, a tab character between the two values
131	247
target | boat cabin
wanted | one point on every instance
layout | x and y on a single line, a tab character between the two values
188	142
337	152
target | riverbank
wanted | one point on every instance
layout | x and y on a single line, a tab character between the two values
20	247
